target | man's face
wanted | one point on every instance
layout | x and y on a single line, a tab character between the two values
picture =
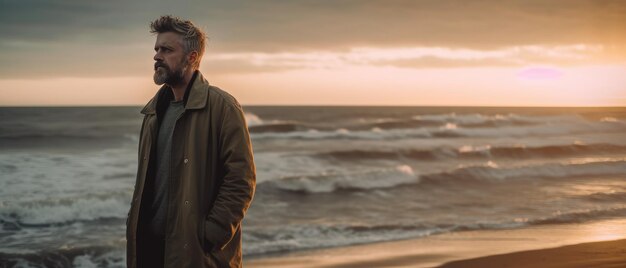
171	62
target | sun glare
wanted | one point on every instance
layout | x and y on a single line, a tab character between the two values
540	73
605	231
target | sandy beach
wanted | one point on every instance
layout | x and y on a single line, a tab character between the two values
595	244
593	254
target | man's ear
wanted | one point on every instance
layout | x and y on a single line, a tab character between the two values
192	56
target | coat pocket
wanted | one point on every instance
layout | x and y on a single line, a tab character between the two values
206	246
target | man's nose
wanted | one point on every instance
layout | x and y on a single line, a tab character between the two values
157	57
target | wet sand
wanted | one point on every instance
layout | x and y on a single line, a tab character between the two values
550	245
594	254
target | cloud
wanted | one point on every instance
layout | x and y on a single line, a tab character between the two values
403	57
108	38
479	24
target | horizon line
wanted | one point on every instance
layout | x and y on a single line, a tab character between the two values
322	105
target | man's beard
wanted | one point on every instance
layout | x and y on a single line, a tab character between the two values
164	75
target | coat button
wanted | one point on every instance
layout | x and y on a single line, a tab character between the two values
186	202
186	160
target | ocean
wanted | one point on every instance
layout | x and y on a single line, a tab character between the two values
326	176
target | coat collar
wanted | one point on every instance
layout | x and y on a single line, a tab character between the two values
195	97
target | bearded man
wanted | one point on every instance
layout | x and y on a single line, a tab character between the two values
196	174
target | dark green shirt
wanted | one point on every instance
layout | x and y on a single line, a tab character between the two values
158	206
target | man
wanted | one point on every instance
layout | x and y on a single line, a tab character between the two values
196	174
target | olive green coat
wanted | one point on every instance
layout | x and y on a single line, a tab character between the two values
212	180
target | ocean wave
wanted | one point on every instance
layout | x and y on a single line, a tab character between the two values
277	128
556	218
67	140
441	130
405	175
608	119
62	211
325	183
51	136
606	197
491	172
253	119
79	257
580	216
300	237
466	121
478	152
510	118
398	124
257	125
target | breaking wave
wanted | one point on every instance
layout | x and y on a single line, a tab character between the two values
478	152
404	174
290	238
325	183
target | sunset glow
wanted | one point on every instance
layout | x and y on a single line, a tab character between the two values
427	59
540	73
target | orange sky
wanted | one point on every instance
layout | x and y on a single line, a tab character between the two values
487	53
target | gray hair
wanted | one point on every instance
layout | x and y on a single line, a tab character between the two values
194	39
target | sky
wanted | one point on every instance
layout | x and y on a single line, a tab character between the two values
324	52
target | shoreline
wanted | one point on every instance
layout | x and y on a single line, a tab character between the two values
462	249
